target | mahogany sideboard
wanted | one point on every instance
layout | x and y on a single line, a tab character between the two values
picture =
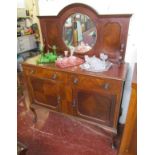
94	97
89	96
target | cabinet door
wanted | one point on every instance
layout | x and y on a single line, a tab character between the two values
94	105
46	92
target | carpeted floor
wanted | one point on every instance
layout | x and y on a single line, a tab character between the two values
56	134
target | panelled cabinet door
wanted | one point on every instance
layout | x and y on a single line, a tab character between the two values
94	106
46	92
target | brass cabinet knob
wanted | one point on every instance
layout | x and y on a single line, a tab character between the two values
58	99
58	102
122	47
74	103
105	86
54	76
32	72
75	81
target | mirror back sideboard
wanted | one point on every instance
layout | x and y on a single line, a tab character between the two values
89	96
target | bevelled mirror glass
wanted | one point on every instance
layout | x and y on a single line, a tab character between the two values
79	33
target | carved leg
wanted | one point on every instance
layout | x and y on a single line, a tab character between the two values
35	115
113	145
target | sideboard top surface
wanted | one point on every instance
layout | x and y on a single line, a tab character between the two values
117	71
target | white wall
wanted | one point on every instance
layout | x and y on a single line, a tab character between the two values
20	4
52	7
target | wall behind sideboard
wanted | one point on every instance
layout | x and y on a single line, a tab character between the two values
53	7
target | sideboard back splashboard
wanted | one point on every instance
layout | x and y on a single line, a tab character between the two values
112	31
88	96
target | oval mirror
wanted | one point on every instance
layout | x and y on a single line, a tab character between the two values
79	33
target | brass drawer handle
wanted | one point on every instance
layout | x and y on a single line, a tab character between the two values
75	81
105	86
54	76
32	72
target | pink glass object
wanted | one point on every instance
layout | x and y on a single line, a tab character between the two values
66	53
65	60
72	59
69	62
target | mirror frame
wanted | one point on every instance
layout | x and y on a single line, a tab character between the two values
94	30
83	9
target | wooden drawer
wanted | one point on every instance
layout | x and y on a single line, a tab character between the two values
44	73
87	82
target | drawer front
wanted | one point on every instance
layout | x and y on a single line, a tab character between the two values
44	73
87	82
